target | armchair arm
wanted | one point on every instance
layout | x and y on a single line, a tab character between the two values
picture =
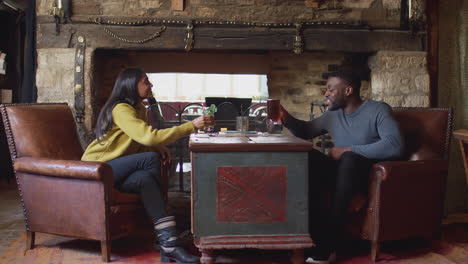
85	170
406	197
389	169
166	156
65	197
166	164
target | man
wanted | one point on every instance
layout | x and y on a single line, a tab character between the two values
364	132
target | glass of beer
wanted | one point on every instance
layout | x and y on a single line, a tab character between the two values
273	110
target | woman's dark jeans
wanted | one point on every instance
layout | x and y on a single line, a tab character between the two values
140	174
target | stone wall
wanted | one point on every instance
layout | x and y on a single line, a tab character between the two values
376	13
400	78
299	80
55	76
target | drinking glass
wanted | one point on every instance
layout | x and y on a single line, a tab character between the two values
209	128
242	123
273	110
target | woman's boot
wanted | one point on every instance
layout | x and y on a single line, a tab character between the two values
169	247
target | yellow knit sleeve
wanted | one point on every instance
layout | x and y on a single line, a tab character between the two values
126	118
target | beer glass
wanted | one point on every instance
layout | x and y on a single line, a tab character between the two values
273	110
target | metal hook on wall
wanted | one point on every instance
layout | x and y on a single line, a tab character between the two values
189	41
298	43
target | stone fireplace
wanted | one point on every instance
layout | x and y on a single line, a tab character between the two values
295	43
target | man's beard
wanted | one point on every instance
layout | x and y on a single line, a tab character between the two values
333	106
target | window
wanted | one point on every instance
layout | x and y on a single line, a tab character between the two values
194	87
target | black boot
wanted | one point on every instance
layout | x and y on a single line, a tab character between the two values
171	250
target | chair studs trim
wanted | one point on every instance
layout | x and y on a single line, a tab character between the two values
449	122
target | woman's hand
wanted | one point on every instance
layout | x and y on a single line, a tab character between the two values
165	154
202	121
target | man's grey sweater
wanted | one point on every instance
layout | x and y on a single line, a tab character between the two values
370	131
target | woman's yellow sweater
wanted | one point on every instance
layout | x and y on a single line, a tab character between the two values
130	135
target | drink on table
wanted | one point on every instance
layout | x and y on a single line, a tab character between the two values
273	110
209	111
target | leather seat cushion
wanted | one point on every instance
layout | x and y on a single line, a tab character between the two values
124	198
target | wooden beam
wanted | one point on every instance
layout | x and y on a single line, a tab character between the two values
235	38
312	3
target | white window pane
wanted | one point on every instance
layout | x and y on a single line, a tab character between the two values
218	85
263	91
190	86
164	85
246	85
195	87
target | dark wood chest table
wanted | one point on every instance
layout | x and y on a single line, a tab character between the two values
249	191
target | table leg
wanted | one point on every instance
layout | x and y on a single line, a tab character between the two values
207	256
297	256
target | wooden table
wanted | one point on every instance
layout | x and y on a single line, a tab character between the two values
249	191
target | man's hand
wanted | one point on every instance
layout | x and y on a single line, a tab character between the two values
336	152
283	113
202	121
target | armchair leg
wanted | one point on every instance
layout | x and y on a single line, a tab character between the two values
30	236
105	250
375	246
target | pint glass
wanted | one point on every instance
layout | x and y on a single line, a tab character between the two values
273	110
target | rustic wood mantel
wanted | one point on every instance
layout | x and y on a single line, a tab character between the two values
209	37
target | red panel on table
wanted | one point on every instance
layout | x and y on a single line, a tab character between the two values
251	194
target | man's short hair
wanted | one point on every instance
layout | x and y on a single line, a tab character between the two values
349	76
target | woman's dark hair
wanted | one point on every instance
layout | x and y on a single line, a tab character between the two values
125	91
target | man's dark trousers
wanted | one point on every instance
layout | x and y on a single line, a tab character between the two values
332	184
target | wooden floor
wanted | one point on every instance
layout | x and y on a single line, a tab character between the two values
455	232
11	214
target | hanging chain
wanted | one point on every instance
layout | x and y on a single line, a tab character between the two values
155	35
137	23
189	40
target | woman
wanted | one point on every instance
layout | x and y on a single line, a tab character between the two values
127	144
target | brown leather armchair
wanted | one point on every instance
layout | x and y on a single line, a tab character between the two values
462	136
406	197
61	194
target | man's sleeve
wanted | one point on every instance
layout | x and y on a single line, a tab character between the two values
390	145
306	129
